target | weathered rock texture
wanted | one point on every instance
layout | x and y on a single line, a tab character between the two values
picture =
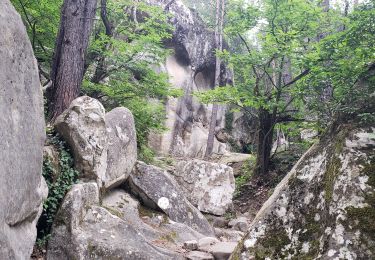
22	135
83	126
191	68
122	146
120	228
158	190
324	208
208	186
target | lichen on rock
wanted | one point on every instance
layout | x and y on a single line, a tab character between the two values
325	207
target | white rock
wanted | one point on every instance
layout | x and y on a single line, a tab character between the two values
83	127
208	186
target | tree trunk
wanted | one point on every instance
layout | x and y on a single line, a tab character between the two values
264	143
67	70
101	68
220	10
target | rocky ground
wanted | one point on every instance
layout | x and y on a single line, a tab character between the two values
227	221
251	196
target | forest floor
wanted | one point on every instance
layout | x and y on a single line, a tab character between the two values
251	195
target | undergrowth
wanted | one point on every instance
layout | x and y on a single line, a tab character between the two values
59	183
245	175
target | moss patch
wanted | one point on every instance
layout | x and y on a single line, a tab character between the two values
330	175
363	219
146	212
170	237
334	164
272	244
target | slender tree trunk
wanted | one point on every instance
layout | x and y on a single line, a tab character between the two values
101	68
67	71
265	137
220	10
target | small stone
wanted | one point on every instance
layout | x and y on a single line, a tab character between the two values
239	224
219	222
205	242
229	235
198	255
191	245
222	250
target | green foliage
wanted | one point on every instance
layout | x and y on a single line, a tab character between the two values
58	185
268	37
205	9
128	60
41	18
338	61
246	173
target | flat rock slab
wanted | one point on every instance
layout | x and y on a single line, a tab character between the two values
222	250
199	255
158	190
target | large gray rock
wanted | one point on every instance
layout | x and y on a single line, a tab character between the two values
208	186
324	208
158	190
191	69
120	228
153	225
85	230
22	134
82	125
122	146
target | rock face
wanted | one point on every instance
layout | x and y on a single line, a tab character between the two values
122	146
83	127
208	186
191	68
324	208
22	134
158	190
114	230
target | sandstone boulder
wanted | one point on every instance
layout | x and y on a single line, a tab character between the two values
324	208
122	146
82	125
22	134
208	186
158	190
